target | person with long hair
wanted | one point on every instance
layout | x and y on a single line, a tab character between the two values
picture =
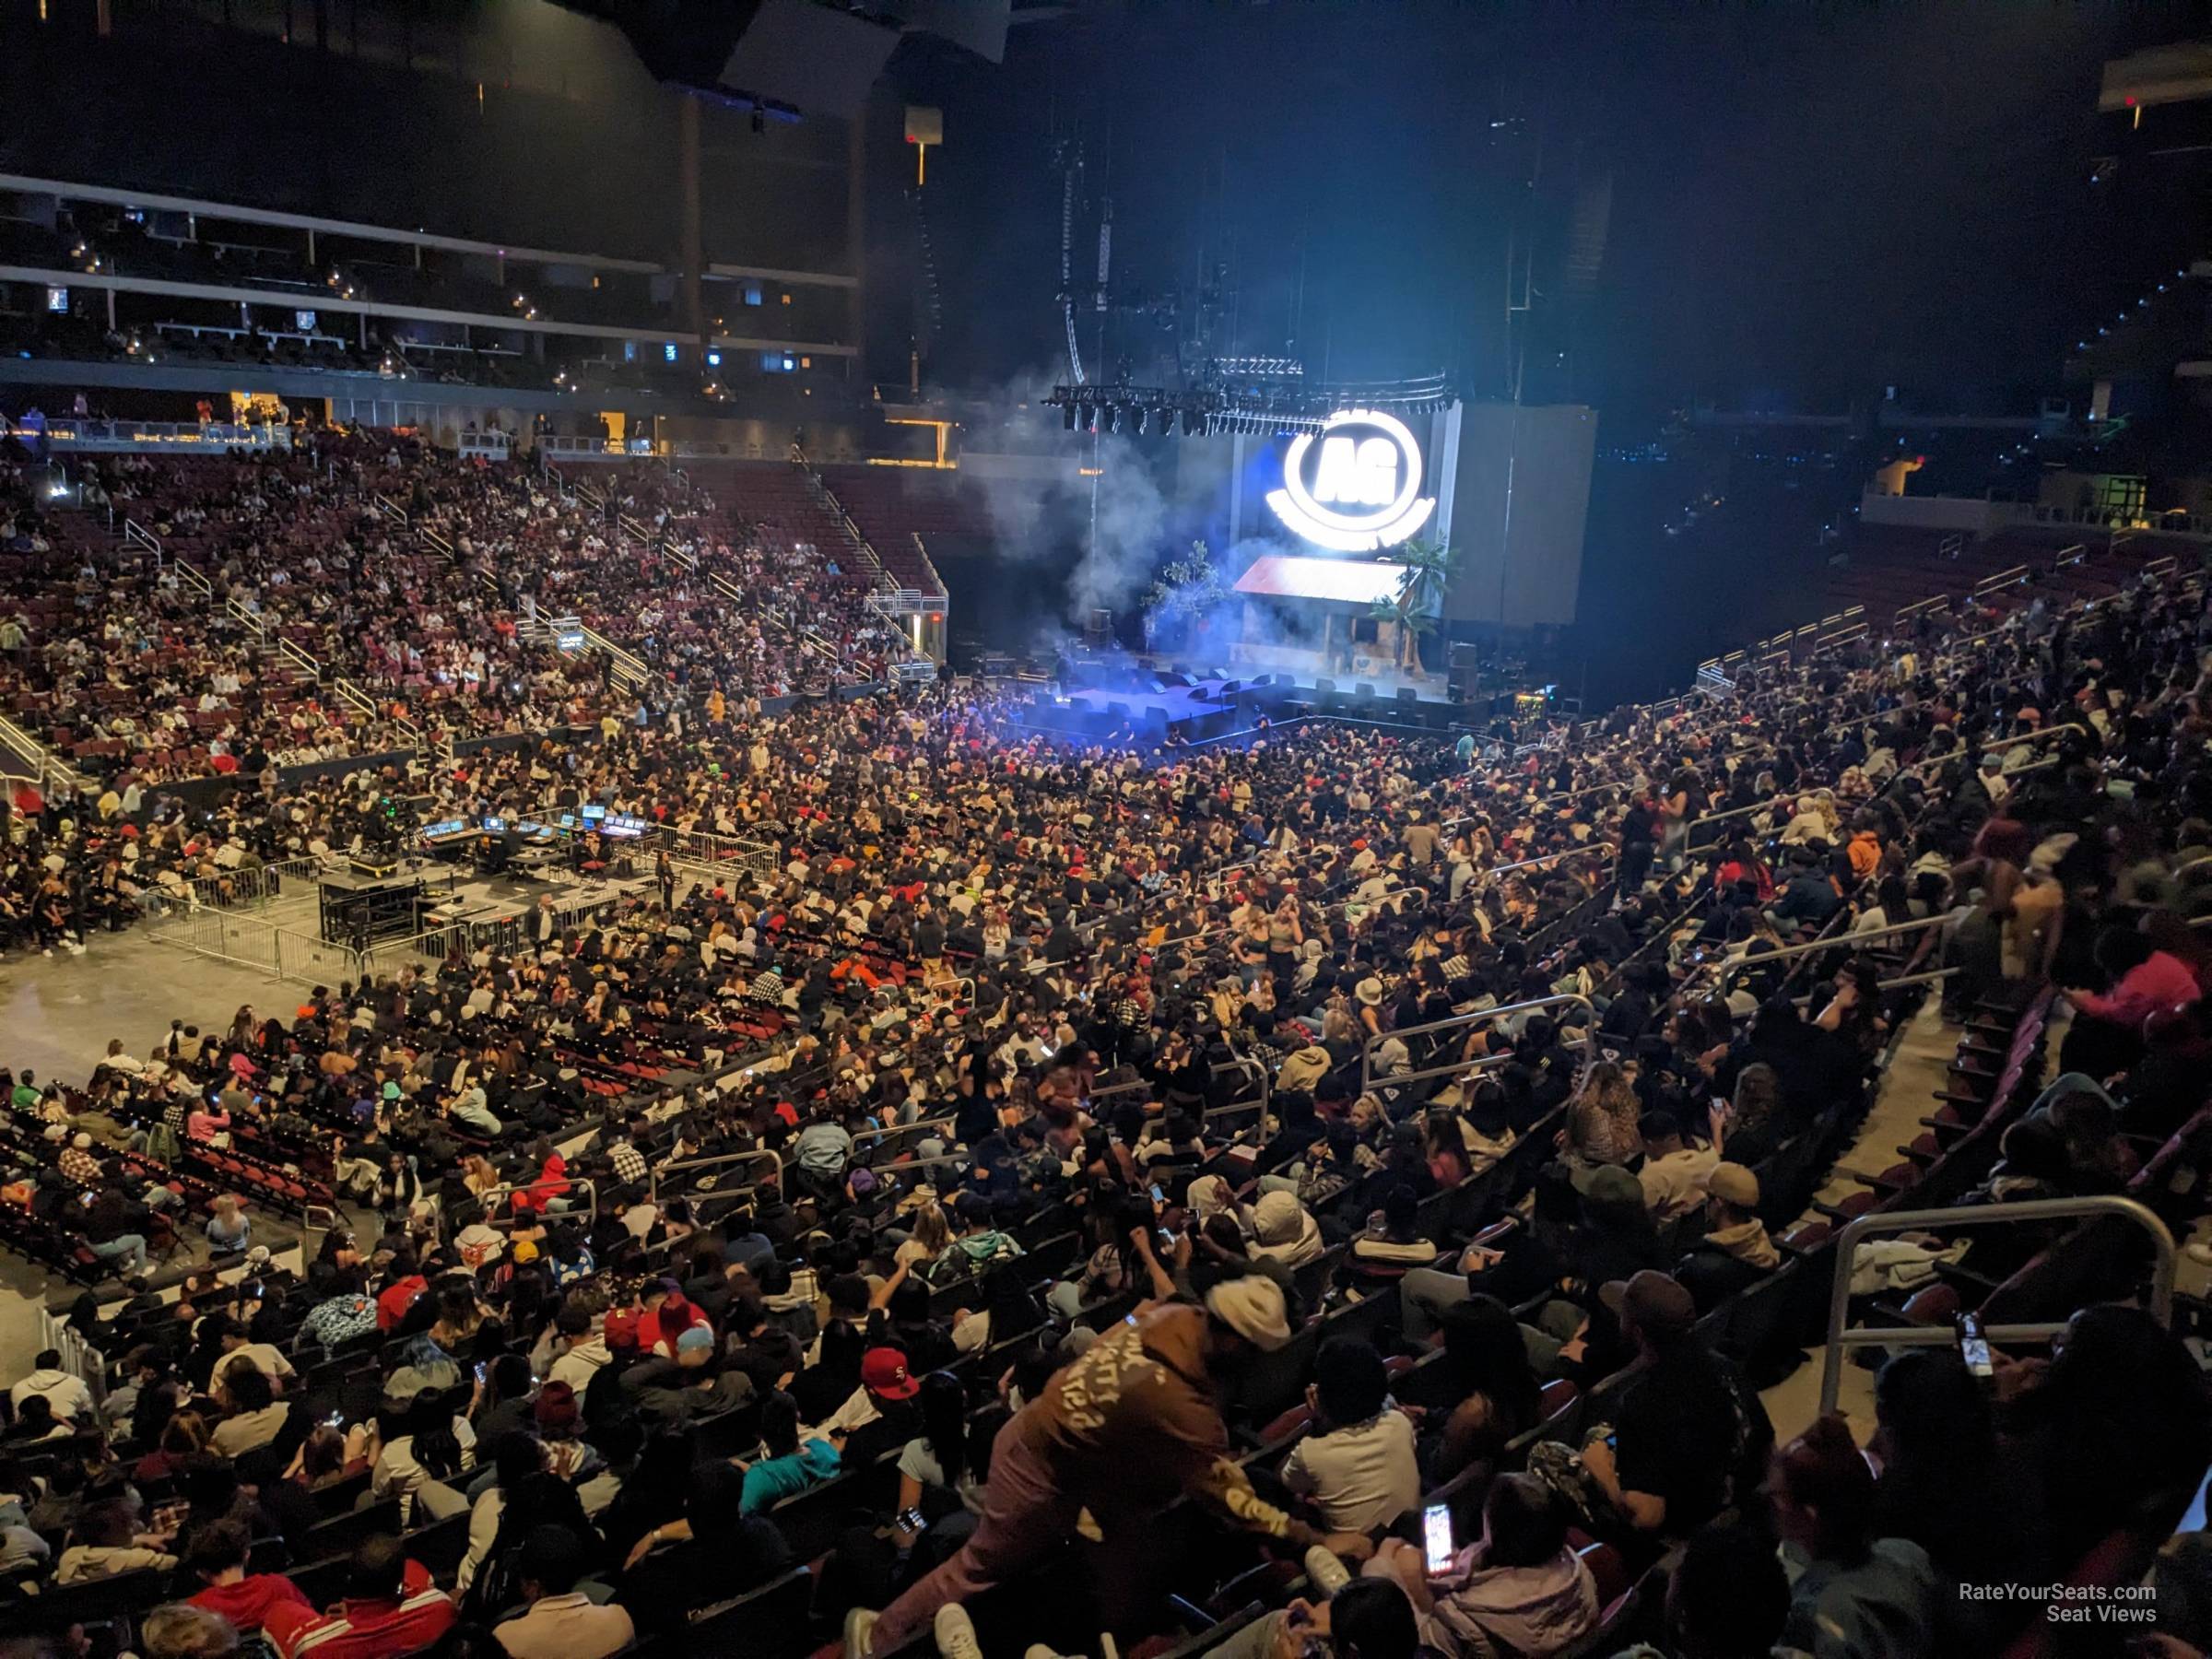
322	1459
1602	1121
515	1456
1486	1359
791	1464
184	1435
936	1474
1852	1590
1943	1485
431	1444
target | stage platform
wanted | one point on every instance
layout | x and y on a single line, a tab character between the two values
1138	705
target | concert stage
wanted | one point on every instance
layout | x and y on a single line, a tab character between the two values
1139	706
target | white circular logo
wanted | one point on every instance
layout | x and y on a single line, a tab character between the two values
1354	486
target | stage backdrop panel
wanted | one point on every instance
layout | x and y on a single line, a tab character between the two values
1521	497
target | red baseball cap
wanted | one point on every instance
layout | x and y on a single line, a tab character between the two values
883	1371
621	1330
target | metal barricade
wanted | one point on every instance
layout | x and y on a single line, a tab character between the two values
1530	864
490	1198
2038	736
919	1129
1459	1021
1979	1215
1844	941
715	1161
1689	832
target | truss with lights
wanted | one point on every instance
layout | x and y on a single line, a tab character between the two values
1252	402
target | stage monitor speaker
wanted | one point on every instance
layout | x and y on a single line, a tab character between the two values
1406	694
1325	687
1364	689
1231	687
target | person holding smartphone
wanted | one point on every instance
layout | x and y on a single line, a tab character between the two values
1520	1589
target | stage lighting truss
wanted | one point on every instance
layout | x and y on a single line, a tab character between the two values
1218	408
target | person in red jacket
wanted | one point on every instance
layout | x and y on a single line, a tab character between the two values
402	1284
666	1316
2107	1034
390	1606
267	1602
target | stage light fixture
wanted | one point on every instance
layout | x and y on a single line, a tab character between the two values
1067	417
1114	418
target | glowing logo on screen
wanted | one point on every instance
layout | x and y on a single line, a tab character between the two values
1354	486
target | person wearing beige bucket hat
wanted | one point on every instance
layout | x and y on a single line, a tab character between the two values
1116	1437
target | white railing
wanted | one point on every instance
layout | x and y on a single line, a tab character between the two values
193	577
826	500
136	535
487	446
249	616
929	565
905	602
124	437
598	449
251	887
389	507
42	764
299	659
722	852
284	953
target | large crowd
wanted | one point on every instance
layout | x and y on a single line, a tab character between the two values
1341	1192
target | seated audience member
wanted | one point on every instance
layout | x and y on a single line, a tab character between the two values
1852	1595
254	1419
1674	1170
1736	1252
182	1631
1691	1437
559	1623
64	1392
104	1541
1498	1392
791	1464
1356	1466
1728	1597
1519	1589
265	1602
390	1607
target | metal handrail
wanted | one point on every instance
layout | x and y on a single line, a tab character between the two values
1530	864
568	1185
1456	1021
914	1128
1978	1214
716	1160
1844	941
1767	804
2041	732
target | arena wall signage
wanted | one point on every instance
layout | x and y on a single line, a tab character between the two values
1354	486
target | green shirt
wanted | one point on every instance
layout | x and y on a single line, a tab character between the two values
773	1480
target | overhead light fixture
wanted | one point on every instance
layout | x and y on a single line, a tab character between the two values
1067	417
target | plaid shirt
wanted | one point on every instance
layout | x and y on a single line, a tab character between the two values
630	1163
